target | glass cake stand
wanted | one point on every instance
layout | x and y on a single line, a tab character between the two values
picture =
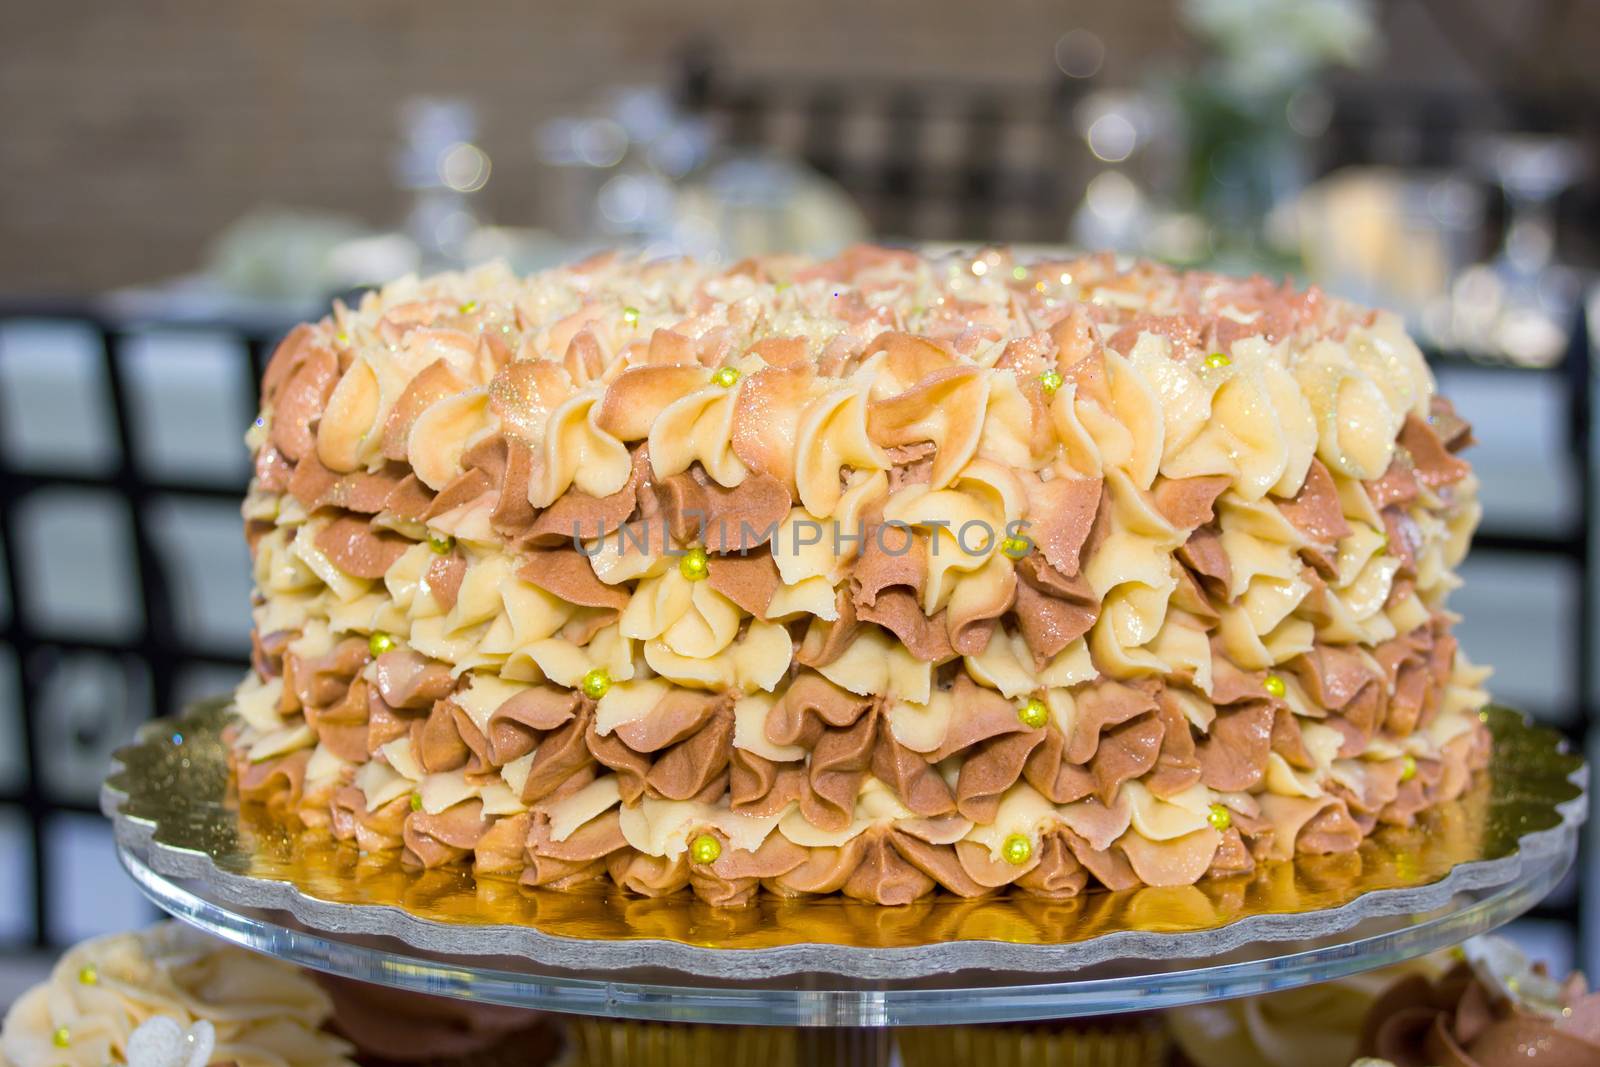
1467	869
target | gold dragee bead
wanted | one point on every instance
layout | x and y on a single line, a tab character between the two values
441	543
416	801
1218	359
61	1038
87	975
596	683
705	849
1016	547
1035	713
1408	767
1017	849
1219	817
727	377
379	643
695	564
1274	685
1050	380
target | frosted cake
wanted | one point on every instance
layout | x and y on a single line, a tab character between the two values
884	575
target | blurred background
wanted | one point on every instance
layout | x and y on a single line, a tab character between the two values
181	182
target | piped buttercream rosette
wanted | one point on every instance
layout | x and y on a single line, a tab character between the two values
880	575
171	997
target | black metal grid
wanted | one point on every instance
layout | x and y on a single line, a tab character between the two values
1575	904
933	161
156	651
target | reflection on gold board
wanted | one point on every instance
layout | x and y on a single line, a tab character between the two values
176	778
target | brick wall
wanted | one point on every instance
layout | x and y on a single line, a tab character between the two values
131	132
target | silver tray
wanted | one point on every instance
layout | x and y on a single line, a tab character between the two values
1465	869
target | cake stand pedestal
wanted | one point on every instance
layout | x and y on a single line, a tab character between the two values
843	970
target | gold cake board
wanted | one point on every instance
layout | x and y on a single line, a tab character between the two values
1496	850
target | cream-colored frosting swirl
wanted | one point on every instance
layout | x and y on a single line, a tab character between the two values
1312	1026
167	996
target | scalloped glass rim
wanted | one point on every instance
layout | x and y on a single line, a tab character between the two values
940	996
1524	831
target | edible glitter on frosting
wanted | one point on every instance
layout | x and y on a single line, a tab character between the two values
882	574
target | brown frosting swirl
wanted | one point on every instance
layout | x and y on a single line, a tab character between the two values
311	681
749	580
407	679
580	857
1064	511
519	723
887	585
736	875
1052	610
403	1027
1208	562
737	520
296	387
343	726
1188	502
372	831
675	751
436	840
577	515
1233	757
1461	1021
1436	467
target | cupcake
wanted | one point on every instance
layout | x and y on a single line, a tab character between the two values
170	997
390	1027
1492	1009
600	1042
1313	1026
1132	1040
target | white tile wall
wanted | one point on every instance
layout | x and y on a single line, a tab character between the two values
75	546
57	412
94	895
190	391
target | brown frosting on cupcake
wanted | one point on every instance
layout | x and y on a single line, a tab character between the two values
1461	1020
393	1026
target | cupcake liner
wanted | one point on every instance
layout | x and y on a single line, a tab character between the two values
599	1042
1140	1042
